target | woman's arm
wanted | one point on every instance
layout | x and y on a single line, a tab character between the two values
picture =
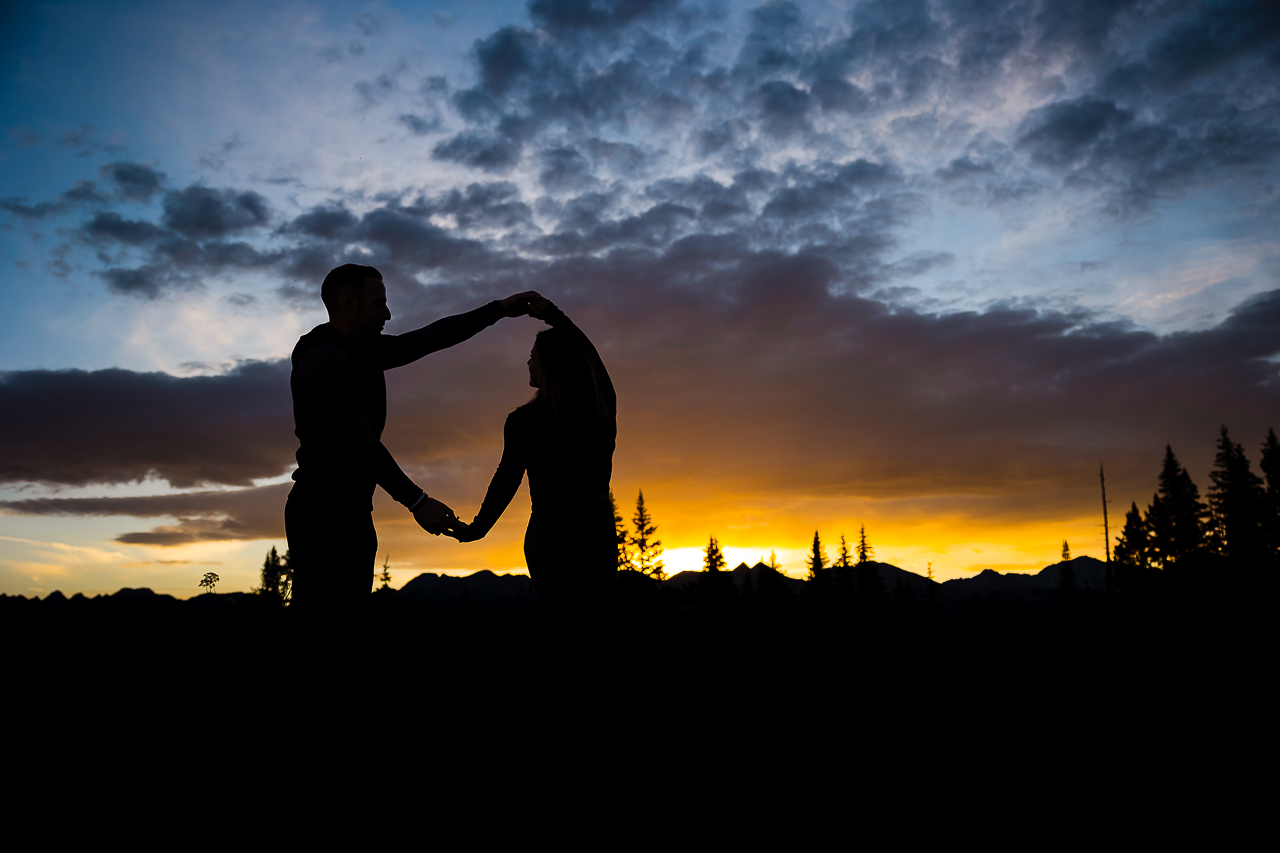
502	488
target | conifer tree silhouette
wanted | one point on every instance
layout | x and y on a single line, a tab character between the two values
870	585
620	534
1133	547
771	590
270	580
1237	500
865	551
715	588
816	562
647	549
385	576
1178	520
1066	583
1066	551
843	558
930	591
846	582
712	557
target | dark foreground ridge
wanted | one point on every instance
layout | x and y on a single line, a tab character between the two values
974	683
682	594
749	629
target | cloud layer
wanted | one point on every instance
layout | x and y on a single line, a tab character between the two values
727	203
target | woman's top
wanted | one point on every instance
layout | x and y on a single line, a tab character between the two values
563	474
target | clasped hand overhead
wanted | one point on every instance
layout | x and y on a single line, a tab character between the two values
529	302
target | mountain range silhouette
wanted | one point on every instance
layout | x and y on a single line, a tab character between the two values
486	590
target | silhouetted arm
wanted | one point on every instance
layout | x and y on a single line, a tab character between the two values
506	480
328	372
399	350
557	319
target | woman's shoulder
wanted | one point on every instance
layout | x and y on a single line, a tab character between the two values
533	410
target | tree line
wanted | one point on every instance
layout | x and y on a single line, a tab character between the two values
1237	528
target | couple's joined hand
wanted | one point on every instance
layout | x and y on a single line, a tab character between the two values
529	302
434	516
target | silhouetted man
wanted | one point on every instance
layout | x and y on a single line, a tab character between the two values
339	411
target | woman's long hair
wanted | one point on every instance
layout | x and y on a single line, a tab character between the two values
571	388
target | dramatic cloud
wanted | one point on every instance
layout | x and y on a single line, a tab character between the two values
202	213
74	427
807	136
893	403
737	205
202	516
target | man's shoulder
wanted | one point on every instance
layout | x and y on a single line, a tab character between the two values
321	351
321	335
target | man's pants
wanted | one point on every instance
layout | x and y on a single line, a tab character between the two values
332	548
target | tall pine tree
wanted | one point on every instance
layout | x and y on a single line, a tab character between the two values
713	557
816	562
647	549
270	578
276	578
1133	546
865	551
1237	500
870	585
1179	520
846	583
843	559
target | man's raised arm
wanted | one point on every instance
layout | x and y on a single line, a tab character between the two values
399	350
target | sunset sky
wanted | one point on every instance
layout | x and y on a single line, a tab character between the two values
914	266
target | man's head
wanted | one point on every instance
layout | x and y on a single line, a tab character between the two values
356	300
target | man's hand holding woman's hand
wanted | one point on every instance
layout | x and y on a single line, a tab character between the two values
538	305
530	302
434	516
517	305
463	532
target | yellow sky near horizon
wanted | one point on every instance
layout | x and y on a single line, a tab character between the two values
956	546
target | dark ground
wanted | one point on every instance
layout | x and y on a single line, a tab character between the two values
1109	662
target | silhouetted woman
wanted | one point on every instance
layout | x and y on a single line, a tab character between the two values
564	437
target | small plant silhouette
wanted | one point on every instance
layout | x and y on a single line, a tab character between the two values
209	581
385	577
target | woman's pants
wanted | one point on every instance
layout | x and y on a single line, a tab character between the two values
572	554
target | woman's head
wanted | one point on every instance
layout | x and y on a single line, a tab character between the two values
563	371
